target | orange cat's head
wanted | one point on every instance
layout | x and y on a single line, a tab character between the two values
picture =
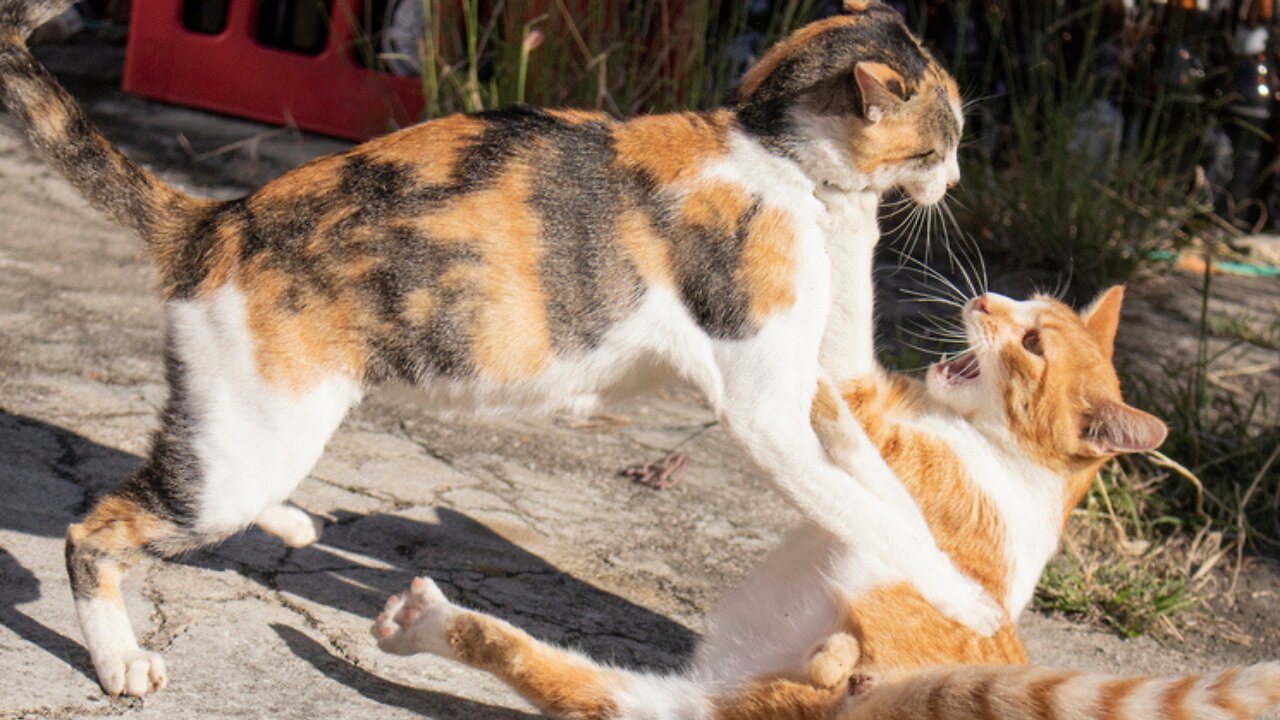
1044	371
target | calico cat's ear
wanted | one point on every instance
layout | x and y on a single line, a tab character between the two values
1113	427
883	89
1102	317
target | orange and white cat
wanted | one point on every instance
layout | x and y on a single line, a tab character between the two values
994	448
517	260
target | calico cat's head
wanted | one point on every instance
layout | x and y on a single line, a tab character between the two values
859	102
1045	372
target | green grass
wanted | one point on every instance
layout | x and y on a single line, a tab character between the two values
1187	515
623	58
1040	203
1253	329
1126	564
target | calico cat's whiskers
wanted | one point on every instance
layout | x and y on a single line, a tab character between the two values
911	230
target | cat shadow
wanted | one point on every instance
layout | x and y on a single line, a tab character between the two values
387	692
51	475
18	586
362	559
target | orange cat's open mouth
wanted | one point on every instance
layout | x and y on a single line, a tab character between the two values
959	369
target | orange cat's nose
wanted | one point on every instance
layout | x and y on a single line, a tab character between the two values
979	304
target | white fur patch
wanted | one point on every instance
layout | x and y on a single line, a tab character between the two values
122	667
255	442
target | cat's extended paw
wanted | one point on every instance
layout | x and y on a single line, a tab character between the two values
134	672
973	607
832	662
416	621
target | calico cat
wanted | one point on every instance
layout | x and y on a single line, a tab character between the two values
994	449
519	259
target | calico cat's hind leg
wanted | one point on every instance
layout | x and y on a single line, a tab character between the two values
231	448
292	525
113	537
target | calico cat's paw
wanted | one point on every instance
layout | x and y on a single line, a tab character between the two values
416	621
832	662
972	606
134	672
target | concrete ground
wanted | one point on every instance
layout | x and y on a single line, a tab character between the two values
527	518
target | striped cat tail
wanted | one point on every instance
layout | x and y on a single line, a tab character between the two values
19	17
64	137
1031	693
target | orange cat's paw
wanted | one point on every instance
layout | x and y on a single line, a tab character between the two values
416	621
834	660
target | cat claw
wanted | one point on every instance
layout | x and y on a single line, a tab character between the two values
415	621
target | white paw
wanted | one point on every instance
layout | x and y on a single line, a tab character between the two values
134	672
416	621
294	526
969	604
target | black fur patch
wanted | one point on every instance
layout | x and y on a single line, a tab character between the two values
167	482
82	570
589	283
881	37
706	263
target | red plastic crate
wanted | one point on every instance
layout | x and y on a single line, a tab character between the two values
233	73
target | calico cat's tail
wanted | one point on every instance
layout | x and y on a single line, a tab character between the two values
64	137
1032	693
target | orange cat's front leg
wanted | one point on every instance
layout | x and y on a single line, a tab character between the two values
561	683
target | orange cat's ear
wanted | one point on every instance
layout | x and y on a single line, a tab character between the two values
1113	427
883	89
1102	318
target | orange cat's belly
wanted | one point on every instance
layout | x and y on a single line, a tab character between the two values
898	629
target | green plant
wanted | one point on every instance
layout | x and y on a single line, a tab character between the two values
1127	563
1079	166
1248	328
619	57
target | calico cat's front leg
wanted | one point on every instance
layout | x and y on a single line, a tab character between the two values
848	446
850	225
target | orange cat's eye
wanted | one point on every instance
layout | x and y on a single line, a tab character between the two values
1031	341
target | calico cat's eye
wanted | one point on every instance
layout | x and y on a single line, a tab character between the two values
926	157
1031	341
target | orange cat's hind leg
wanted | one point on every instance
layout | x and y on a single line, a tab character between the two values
833	662
562	683
827	680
